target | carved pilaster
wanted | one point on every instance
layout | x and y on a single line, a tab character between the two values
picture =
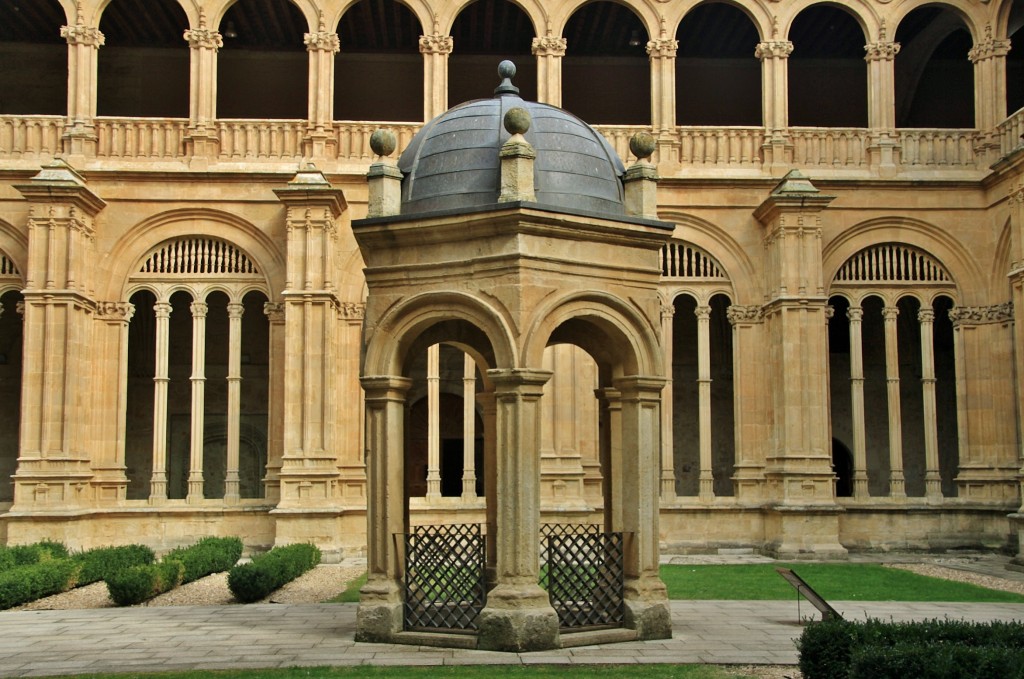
202	143
435	49
549	50
774	56
83	44
322	46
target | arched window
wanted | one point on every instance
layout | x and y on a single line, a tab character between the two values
33	58
827	73
934	78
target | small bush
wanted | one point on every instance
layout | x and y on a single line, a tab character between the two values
27	555
27	583
255	580
138	583
828	649
209	555
98	564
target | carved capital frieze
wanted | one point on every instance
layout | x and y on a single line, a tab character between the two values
352	311
981	315
204	38
274	311
436	44
115	311
881	51
773	49
987	49
323	41
662	48
744	314
668	311
855	314
548	46
926	316
80	34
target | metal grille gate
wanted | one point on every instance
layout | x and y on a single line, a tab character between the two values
444	577
582	570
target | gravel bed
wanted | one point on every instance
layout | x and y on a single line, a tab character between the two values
958	575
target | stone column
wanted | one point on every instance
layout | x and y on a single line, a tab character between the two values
322	46
549	51
231	481
883	148
774	56
274	312
634	478
161	380
435	49
433	422
198	380
379	616
932	479
989	59
57	394
748	400
668	472
707	479
860	455
83	47
518	615
662	54
468	427
109	413
892	381
202	143
489	413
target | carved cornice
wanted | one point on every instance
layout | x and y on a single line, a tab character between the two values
204	38
981	315
436	44
881	51
80	34
773	49
549	46
744	314
662	47
323	41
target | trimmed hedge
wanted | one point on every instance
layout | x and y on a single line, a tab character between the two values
209	555
252	581
937	661
27	583
831	649
102	562
138	583
27	555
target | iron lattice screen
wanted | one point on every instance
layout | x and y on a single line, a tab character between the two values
444	577
584	575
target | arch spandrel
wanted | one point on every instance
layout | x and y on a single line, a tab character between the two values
616	333
407	327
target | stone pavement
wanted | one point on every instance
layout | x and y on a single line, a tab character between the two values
44	643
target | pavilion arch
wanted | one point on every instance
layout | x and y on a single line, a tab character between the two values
127	254
430	318
949	252
630	345
718	243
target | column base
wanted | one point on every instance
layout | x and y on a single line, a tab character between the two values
379	616
650	619
518	619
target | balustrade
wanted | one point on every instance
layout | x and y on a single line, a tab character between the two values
1011	133
30	136
938	149
827	147
143	138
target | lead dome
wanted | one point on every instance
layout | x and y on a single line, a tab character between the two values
453	162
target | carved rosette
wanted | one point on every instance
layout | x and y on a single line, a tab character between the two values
81	34
981	315
115	311
204	38
436	44
881	51
987	49
322	41
773	49
738	314
274	311
549	46
662	48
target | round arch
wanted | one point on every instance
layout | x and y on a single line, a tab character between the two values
861	12
723	247
648	17
756	12
974	20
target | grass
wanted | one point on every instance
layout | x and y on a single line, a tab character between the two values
445	672
351	593
834	582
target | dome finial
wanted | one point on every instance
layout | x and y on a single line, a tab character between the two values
506	71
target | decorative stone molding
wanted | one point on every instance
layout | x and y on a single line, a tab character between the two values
881	51
981	315
115	311
773	49
199	309
855	313
662	48
549	46
926	316
274	311
830	311
702	312
668	311
80	34
204	38
890	313
436	44
352	311
988	47
323	41
744	314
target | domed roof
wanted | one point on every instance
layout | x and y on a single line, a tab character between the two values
453	162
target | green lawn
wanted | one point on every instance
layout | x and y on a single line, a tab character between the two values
448	672
834	582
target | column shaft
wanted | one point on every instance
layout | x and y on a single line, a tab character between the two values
707	479
892	380
231	481
435	50
860	456
468	427
434	421
668	473
198	379
549	51
158	483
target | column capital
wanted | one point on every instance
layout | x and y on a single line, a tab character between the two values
987	49
662	48
199	309
80	34
830	311
162	310
881	51
436	44
855	314
926	316
890	313
508	380
548	46
642	386
115	311
739	314
352	311
204	38
702	312
773	49
235	310
667	311
322	41
385	387
274	311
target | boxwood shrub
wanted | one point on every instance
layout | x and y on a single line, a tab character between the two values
138	583
937	661
102	562
831	649
26	555
209	555
22	584
252	581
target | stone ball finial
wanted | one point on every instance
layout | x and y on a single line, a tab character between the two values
506	71
383	142
642	145
517	120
